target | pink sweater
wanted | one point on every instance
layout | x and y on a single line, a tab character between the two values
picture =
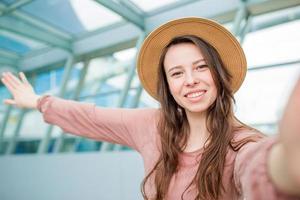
245	172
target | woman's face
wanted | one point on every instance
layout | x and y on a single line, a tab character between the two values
189	78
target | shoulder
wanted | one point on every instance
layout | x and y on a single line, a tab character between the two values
245	132
253	147
246	136
243	140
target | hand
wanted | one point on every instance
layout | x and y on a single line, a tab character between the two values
21	90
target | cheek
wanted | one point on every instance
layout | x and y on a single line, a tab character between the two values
209	79
174	86
214	92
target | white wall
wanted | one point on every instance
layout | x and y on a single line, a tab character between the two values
90	176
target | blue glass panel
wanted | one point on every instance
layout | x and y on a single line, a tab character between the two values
24	147
42	83
129	100
8	1
57	13
75	73
87	145
107	100
59	75
12	45
4	94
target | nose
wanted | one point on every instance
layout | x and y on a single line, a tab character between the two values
191	79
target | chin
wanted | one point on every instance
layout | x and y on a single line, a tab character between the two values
196	109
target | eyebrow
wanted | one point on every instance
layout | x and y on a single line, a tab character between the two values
197	61
194	63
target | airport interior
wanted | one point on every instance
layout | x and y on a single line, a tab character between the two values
85	50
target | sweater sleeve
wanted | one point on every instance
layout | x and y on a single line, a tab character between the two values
129	127
251	175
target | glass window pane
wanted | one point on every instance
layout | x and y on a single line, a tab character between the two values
9	1
92	15
18	43
264	93
149	5
276	44
10	44
72	16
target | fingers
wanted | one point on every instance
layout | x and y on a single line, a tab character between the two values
13	79
8	85
9	102
9	80
17	87
23	78
13	83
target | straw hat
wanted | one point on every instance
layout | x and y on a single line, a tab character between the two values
216	35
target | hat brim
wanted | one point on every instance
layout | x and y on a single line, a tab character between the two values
229	49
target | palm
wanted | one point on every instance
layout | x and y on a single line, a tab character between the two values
21	91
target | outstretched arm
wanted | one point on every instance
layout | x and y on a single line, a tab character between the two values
270	168
284	160
130	127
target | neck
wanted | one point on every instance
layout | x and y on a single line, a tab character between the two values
198	131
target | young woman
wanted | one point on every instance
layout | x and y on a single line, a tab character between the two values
193	147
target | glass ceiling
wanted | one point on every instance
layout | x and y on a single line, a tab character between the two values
150	5
17	43
70	17
7	2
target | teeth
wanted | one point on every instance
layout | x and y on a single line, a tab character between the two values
195	94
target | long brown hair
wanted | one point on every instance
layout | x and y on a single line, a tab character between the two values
173	128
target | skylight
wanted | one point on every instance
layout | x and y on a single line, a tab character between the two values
149	5
92	15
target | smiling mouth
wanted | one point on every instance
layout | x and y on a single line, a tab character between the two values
195	94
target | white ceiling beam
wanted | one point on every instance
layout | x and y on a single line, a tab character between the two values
125	11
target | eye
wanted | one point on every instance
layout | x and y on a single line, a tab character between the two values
201	67
175	74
